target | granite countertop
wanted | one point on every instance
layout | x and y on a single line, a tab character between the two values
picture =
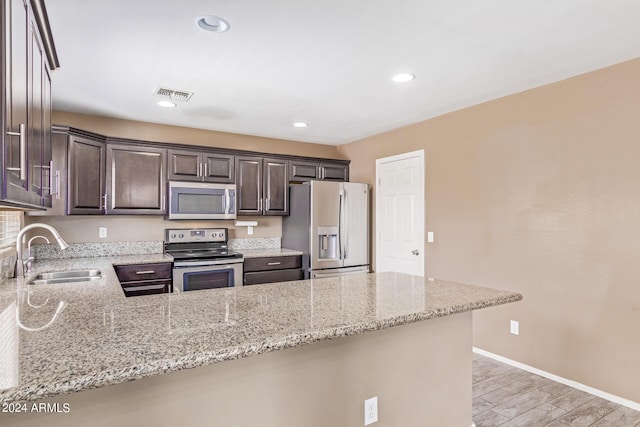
103	338
265	253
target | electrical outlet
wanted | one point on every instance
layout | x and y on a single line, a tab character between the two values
515	327
430	237
102	232
371	410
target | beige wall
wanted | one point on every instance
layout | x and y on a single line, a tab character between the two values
144	228
539	193
120	228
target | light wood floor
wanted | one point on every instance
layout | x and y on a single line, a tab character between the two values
507	397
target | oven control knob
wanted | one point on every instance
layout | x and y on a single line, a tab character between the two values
213	234
181	236
173	236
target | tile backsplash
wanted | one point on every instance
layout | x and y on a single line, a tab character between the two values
8	266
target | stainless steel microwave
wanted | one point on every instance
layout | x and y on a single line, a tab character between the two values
201	200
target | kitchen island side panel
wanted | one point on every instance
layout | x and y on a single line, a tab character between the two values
420	372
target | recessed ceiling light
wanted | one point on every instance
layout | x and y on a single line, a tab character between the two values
212	23
167	104
300	124
403	77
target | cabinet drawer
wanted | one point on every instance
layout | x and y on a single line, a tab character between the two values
273	263
134	289
139	272
273	276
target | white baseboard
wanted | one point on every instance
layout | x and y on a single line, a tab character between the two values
603	394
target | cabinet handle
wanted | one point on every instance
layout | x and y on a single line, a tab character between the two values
54	181
199	169
145	272
23	151
260	204
57	185
268	204
162	202
321	172
274	263
205	171
105	203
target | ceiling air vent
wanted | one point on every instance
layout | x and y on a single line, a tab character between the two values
173	94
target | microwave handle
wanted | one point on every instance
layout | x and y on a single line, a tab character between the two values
227	201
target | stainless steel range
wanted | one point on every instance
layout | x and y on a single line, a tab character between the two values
202	259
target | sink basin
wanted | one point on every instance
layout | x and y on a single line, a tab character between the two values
65	277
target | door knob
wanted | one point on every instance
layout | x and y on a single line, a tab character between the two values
415	252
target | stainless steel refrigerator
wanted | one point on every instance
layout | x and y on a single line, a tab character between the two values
329	223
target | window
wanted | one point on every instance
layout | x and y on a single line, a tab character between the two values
9	227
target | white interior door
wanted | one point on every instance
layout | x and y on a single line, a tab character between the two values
400	213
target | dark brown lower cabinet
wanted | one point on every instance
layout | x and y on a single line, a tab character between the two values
145	279
273	269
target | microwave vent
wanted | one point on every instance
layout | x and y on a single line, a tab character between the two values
173	94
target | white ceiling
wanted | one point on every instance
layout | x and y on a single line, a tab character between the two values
325	62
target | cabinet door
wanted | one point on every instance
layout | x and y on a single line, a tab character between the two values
36	109
49	178
249	185
185	165
136	180
334	172
276	187
218	167
303	171
86	176
16	27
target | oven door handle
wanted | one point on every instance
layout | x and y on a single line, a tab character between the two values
211	265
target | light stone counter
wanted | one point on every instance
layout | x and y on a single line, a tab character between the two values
103	338
266	253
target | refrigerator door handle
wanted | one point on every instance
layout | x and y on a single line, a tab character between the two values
345	218
340	225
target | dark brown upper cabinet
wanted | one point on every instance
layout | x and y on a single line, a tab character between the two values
25	110
201	166
136	180
86	174
262	186
303	170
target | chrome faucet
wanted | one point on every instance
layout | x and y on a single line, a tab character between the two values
27	262
20	264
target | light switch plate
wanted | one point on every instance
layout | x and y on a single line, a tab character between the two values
102	232
430	236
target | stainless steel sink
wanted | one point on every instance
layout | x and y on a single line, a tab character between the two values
65	277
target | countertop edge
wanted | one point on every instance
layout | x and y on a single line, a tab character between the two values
148	369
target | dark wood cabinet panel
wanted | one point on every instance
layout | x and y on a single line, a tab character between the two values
184	165
262	186
196	165
86	163
334	172
139	272
249	185
276	186
145	279
218	167
272	276
272	263
272	269
136	180
26	108
301	171
48	175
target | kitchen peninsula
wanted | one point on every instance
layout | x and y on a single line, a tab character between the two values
405	339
